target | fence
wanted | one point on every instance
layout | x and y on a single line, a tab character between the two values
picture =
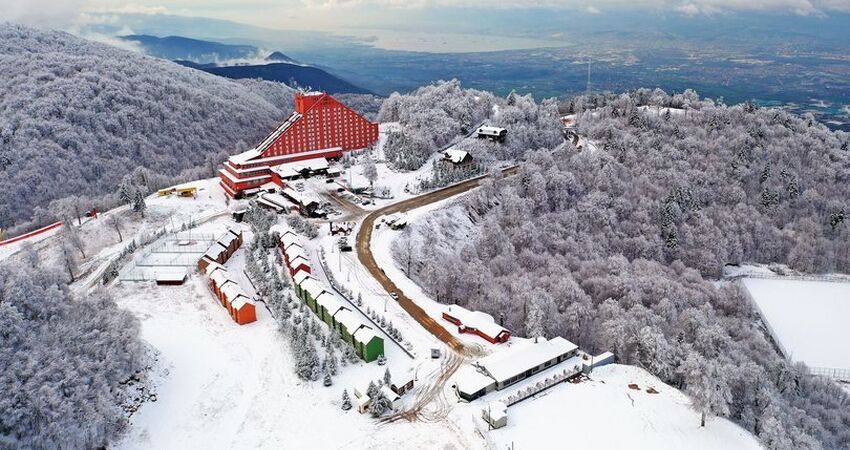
835	374
541	386
831	278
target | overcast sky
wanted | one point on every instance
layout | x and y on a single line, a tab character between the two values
323	14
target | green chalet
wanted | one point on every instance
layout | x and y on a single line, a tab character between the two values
331	310
367	344
310	290
327	305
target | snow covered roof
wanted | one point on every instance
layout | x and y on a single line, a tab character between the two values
219	277
455	156
312	287
298	262
389	394
275	199
215	250
300	276
226	239
290	238
172	275
481	321
231	290
211	266
294	251
516	360
491	130
295	168
349	320
364	334
240	301
245	156
330	302
469	380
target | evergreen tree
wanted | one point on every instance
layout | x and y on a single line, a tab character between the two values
387	377
346	400
328	381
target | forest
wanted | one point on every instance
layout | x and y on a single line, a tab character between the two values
76	116
68	363
434	116
621	248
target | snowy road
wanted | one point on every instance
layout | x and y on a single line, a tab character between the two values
364	253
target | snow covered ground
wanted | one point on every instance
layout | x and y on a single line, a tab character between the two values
808	318
604	413
228	386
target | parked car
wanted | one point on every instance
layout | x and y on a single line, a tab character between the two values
394	296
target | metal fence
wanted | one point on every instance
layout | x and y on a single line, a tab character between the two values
835	374
542	385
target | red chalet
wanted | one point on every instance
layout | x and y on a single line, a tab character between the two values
320	127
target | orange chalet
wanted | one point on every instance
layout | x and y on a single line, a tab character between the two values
320	127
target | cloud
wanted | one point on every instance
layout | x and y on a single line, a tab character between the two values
592	10
42	13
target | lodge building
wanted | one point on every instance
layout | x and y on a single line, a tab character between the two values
320	127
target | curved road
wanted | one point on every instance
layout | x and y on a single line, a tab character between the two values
364	252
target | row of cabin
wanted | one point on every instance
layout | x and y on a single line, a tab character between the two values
327	306
239	304
331	310
222	249
294	255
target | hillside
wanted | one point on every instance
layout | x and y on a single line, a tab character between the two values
76	116
620	249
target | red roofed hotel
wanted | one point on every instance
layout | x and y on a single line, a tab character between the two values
320	127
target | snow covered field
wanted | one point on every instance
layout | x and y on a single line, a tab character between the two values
228	386
808	318
604	413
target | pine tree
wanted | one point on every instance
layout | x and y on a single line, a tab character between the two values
346	400
139	204
387	377
328	381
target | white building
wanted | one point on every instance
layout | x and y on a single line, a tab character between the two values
490	132
502	369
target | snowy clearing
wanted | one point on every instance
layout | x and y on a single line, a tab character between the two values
604	413
231	386
808	318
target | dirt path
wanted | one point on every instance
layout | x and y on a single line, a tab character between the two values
364	253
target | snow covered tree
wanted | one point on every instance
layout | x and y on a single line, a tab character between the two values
387	377
115	222
346	400
327	381
139	204
378	405
370	171
706	385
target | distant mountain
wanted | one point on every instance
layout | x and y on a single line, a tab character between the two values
178	47
242	61
293	75
279	57
76	116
